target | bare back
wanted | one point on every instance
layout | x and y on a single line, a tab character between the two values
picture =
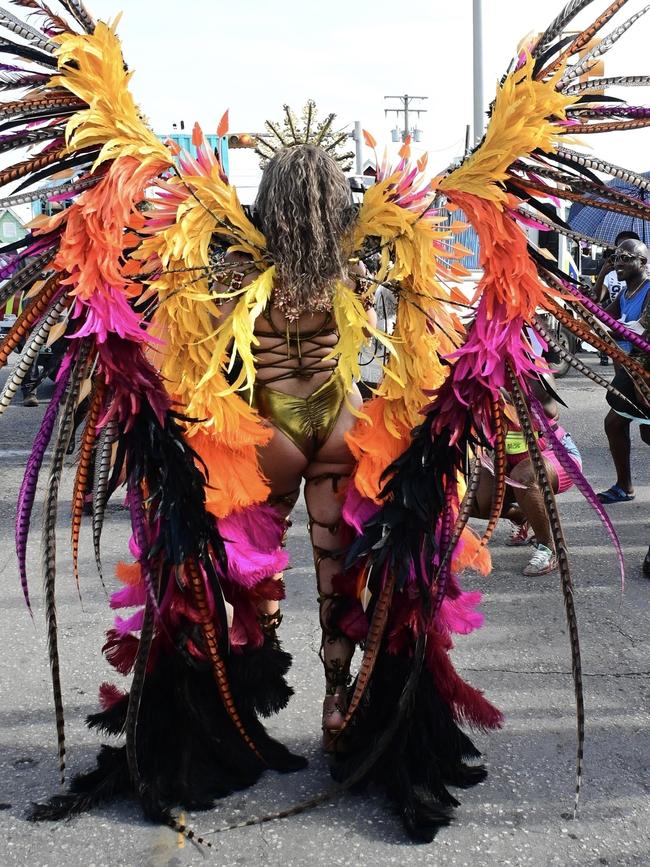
290	356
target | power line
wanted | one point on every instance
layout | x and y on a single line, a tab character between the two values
406	100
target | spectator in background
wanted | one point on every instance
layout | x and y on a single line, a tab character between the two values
608	285
30	385
644	359
631	308
524	502
373	354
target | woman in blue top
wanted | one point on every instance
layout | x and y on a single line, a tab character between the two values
631	261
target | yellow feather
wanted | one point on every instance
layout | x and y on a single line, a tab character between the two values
520	123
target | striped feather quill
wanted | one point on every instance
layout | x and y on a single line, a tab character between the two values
23	279
25	31
600	49
30	479
29	355
611	81
48	539
559	23
499	485
78	11
100	491
563	563
49	192
83	472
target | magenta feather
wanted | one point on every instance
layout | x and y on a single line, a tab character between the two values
27	491
357	509
575	473
253	542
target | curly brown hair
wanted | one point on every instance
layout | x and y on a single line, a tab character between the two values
304	209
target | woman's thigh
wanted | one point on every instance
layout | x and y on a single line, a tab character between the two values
335	451
283	464
524	473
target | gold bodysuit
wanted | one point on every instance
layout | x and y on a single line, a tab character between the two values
306	421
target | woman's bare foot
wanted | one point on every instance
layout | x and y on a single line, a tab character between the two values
334	707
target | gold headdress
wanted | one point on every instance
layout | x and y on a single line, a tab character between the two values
291	132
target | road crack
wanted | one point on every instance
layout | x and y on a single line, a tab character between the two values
553	671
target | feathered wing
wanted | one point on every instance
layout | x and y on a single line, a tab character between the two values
134	286
131	288
407	503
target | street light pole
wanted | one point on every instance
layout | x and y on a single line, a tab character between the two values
477	30
358	147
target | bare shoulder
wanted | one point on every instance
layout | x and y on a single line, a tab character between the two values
231	270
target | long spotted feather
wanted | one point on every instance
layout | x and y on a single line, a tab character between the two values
48	192
27	491
31	106
443	575
48	541
371	648
20	170
25	31
78	11
610	126
611	81
53	22
608	112
585	36
575	362
29	316
211	647
83	472
636	372
574	472
499	485
25	138
619	204
600	314
600	48
590	162
141	536
22	279
464	512
28	53
135	694
592	321
563	562
580	185
100	492
559	23
29	355
20	81
556	227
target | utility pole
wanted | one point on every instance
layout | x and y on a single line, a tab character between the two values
358	147
406	101
477	31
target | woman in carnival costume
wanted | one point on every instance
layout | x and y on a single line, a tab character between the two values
211	344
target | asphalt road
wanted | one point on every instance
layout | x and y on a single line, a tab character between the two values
520	658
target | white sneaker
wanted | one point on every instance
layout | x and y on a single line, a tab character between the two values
518	534
542	561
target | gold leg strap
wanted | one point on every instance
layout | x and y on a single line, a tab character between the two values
270	623
288	499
